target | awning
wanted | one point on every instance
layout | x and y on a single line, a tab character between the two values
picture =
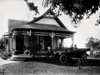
37	33
45	28
56	34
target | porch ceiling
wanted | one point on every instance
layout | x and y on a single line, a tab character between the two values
43	27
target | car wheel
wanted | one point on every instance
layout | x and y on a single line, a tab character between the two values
63	58
84	58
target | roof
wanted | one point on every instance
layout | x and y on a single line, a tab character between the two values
15	23
43	27
44	23
49	11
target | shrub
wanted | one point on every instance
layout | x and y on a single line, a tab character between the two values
5	54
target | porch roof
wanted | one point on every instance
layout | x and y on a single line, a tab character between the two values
43	27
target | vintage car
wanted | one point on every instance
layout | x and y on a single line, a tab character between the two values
63	54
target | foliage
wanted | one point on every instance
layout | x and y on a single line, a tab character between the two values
32	7
76	9
93	43
5	54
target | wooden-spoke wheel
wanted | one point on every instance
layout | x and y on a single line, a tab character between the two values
84	58
63	58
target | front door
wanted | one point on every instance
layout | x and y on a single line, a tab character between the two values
47	42
20	44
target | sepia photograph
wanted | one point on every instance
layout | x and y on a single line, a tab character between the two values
49	37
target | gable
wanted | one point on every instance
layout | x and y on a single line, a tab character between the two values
48	18
48	21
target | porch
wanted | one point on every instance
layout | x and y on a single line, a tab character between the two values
28	37
45	33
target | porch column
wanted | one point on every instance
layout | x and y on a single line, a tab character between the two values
62	42
14	43
10	44
72	40
4	42
26	44
52	35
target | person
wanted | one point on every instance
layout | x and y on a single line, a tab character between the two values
27	51
15	52
71	48
75	47
49	49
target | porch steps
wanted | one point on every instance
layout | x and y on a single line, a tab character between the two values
21	57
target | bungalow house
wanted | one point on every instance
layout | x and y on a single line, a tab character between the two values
46	30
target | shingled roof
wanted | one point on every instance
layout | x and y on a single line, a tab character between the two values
42	27
49	11
45	23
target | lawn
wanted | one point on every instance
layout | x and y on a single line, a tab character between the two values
44	68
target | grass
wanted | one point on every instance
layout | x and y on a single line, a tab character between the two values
43	68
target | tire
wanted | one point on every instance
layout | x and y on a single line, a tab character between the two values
63	58
84	58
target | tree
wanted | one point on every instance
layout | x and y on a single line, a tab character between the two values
93	43
32	6
76	9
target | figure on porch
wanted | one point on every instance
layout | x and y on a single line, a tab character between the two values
15	52
75	47
27	51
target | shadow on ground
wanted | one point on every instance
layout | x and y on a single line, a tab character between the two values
74	62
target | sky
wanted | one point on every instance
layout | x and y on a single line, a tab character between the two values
18	10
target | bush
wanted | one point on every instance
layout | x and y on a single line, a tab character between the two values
5	54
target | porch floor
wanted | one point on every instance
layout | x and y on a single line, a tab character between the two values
20	57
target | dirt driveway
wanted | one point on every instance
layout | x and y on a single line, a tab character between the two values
47	67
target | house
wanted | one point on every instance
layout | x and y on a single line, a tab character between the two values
46	30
